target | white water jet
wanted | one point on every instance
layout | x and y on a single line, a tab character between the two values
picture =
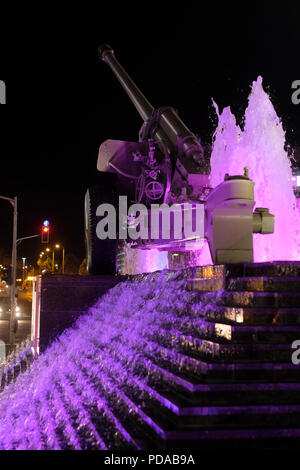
260	147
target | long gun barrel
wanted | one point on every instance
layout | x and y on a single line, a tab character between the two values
169	127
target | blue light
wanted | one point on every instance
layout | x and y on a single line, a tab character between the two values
46	223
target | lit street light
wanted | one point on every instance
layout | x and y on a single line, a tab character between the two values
14	203
53	261
63	258
23	277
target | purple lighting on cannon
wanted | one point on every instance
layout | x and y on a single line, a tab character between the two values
259	145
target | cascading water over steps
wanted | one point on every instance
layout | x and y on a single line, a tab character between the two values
195	358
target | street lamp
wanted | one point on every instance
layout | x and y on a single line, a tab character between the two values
23	277
53	265
53	261
14	203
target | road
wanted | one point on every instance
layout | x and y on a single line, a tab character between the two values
24	321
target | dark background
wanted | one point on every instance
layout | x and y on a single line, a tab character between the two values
62	102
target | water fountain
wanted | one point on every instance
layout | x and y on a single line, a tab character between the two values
261	147
78	393
155	362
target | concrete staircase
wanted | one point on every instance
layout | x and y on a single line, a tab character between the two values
16	363
231	382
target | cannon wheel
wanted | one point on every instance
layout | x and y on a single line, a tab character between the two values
101	255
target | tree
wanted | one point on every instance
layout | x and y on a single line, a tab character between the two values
45	264
71	264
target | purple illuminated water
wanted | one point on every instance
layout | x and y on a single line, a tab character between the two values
138	261
260	147
87	390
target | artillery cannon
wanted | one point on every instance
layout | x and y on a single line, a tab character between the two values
167	167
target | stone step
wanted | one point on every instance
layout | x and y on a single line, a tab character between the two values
177	419
206	284
223	370
264	284
199	417
270	269
257	334
174	393
152	422
239	333
226	352
180	381
285	438
147	412
196	371
258	299
124	416
252	316
256	284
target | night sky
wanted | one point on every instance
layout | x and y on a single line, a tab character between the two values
62	102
